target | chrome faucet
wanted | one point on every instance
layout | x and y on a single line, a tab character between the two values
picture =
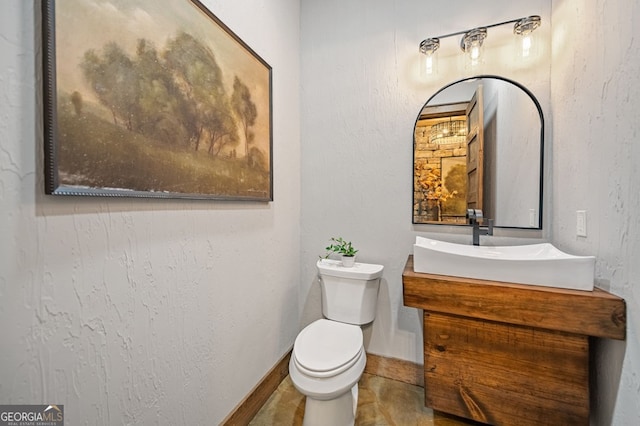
475	217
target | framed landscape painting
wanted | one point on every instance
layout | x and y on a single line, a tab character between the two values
153	98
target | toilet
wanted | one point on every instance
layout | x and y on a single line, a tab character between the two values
328	356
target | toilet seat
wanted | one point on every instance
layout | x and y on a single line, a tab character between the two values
329	373
327	348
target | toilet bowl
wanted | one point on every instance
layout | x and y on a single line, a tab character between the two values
328	356
327	361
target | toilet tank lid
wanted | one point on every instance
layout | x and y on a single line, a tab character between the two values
359	271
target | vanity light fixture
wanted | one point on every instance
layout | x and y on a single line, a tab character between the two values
472	41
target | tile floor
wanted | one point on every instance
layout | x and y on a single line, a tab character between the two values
381	402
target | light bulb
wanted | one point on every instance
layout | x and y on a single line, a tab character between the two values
526	46
428	65
474	54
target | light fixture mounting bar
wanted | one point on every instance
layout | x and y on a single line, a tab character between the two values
511	21
522	26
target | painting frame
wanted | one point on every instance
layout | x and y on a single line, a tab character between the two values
95	146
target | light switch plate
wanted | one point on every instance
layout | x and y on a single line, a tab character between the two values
581	223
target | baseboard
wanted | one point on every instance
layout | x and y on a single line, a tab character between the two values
390	368
251	404
395	369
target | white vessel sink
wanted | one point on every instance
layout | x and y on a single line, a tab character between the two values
535	264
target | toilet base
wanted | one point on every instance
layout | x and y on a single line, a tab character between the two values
340	411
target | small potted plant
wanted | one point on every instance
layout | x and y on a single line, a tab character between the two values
344	248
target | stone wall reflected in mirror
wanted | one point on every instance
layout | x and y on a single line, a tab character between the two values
503	132
440	179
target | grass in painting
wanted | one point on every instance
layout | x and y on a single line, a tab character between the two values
98	154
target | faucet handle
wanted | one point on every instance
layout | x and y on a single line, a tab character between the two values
490	227
474	215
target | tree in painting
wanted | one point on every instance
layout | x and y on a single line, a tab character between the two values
163	121
246	110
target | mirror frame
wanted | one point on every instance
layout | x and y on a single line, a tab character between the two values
541	180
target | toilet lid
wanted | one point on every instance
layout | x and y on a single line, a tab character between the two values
324	345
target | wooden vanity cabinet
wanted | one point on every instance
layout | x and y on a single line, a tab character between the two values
509	354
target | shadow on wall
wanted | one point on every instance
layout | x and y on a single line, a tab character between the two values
607	356
382	319
313	304
381	332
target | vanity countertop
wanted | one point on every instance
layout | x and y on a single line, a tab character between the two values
591	313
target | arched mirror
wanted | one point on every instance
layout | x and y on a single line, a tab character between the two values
479	143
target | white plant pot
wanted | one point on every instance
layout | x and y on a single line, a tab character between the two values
348	261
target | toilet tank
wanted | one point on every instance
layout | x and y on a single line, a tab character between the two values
349	295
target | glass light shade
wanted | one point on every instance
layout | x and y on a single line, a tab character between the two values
429	62
471	44
524	28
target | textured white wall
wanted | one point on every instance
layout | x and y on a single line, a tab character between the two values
361	94
144	311
596	157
